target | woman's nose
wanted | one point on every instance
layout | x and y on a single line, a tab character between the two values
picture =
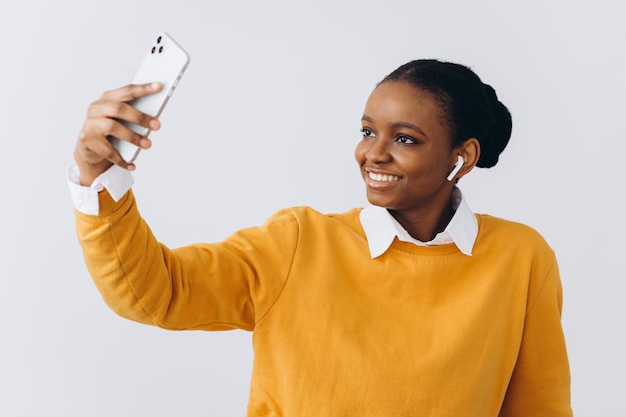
378	151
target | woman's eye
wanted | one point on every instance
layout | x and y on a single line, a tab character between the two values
367	132
405	139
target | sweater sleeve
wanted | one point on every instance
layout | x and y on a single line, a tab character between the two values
540	384
218	286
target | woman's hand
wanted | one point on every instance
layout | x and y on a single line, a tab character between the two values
93	153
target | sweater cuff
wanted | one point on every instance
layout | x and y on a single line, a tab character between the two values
109	209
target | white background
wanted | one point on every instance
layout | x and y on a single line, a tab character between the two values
266	117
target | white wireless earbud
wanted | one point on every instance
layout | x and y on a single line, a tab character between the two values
457	167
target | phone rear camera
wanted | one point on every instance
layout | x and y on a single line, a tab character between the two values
153	49
160	49
159	39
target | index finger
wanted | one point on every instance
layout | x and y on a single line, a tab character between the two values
132	91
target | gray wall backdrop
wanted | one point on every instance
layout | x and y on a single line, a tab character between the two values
266	117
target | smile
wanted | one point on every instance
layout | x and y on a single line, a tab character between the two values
383	177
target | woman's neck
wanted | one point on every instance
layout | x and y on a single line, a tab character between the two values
424	225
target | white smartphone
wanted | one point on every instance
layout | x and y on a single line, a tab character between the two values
165	62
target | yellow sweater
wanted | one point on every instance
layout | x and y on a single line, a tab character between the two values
418	331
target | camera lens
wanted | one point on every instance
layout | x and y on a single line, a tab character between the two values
160	49
153	49
159	39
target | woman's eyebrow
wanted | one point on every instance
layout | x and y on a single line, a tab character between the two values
409	126
396	125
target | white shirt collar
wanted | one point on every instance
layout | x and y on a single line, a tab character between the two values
381	228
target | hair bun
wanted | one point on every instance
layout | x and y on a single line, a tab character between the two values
497	135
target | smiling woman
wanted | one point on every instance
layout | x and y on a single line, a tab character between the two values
413	305
421	121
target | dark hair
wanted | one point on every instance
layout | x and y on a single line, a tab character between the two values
469	107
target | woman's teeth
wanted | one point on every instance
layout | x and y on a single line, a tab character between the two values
384	178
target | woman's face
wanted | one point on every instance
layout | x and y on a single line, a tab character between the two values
405	154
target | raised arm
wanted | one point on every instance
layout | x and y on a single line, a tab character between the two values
226	285
205	286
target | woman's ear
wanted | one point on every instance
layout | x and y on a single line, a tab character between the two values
470	151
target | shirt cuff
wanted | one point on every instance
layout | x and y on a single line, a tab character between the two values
116	180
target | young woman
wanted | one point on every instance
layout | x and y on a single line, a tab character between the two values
413	306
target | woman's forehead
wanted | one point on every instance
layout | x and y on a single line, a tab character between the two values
400	100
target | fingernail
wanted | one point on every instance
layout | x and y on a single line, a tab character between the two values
154	124
130	167
154	86
144	143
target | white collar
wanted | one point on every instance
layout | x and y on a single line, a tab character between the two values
381	228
